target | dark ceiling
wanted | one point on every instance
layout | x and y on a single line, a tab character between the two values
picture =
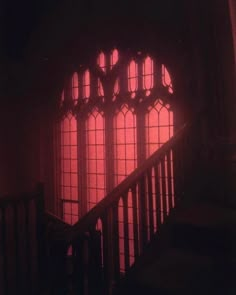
21	18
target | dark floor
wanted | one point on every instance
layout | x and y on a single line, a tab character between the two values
194	253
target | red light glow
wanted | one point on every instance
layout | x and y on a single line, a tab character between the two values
100	88
86	84
125	155
114	57
75	86
148	74
104	167
101	61
69	168
62	98
132	77
158	126
166	80
95	159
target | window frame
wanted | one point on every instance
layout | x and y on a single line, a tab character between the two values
109	104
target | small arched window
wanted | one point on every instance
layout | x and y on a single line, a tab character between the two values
86	84
132	78
166	80
75	87
148	74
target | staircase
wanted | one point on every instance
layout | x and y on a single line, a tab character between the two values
192	254
152	234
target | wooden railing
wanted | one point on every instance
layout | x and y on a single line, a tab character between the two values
108	239
41	254
33	247
57	235
21	219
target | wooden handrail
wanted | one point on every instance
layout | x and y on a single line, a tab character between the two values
56	228
22	197
91	217
108	239
21	242
7	199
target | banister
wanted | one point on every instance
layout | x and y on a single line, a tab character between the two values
22	197
91	217
7	199
21	242
106	241
56	228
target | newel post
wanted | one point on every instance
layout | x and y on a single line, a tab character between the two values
40	209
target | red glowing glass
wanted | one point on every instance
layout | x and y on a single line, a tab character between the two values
103	167
100	88
101	61
95	158
69	167
166	80
125	154
132	77
62	98
158	126
114	58
148	73
86	84
116	87
75	86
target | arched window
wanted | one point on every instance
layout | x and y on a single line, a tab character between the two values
120	113
95	158
69	168
125	142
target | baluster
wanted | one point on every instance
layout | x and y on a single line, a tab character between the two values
95	263
169	180
16	242
27	249
40	237
10	249
107	251
80	261
115	242
126	230
59	258
34	246
150	202
158	196
23	274
143	213
3	253
178	170
2	289
173	178
163	181
135	221
185	159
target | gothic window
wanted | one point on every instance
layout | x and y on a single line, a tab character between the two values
68	168
125	157
113	115
95	158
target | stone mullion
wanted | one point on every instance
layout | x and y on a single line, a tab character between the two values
109	133
82	169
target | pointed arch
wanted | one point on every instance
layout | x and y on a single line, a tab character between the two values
125	141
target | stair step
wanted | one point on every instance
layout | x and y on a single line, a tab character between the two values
204	229
180	271
192	254
208	215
